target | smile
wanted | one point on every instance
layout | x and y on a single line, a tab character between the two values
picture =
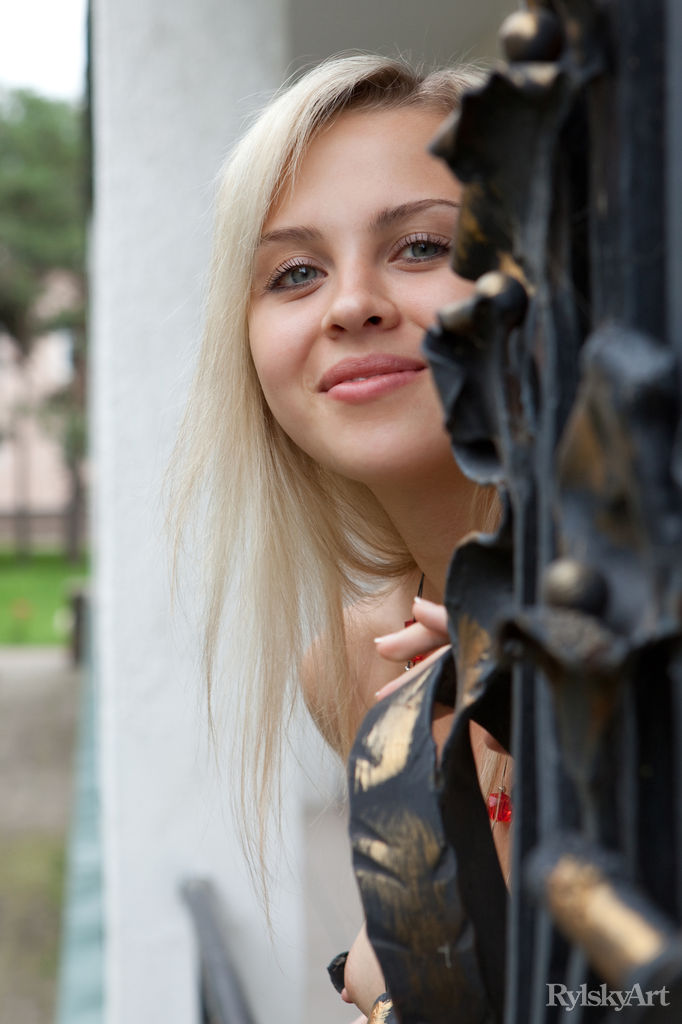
360	379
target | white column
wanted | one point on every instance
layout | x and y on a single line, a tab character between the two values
170	81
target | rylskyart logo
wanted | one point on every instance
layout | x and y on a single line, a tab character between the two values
615	999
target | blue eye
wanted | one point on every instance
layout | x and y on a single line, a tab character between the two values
421	248
293	276
424	250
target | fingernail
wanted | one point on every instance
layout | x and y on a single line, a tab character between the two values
386	636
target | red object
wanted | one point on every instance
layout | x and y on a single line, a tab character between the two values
418	657
500	806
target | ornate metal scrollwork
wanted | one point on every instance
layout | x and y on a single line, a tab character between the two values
560	381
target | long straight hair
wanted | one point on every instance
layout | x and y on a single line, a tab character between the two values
282	543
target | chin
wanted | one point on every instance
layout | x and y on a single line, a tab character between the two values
404	470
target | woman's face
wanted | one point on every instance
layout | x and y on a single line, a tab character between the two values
352	266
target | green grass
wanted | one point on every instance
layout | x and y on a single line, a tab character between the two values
34	597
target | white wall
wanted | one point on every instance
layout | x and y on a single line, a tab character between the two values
172	83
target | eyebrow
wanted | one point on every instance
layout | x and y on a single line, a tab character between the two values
383	219
301	234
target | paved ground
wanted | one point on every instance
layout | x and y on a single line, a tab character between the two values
39	695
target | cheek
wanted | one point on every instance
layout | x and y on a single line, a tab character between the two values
258	334
278	363
267	353
440	290
282	339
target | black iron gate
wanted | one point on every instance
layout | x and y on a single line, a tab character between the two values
560	380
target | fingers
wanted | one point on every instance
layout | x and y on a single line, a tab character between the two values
428	635
433	616
428	632
408	642
405	677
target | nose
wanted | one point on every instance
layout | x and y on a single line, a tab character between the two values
359	301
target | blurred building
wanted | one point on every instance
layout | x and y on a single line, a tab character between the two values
34	482
173	83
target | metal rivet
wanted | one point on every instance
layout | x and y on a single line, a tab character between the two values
532	36
568	583
508	295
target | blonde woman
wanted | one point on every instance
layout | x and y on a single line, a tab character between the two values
313	440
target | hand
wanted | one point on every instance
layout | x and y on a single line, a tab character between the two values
427	636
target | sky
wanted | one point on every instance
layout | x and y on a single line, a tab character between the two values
42	46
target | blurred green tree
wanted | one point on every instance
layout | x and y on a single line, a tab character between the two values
44	182
42	204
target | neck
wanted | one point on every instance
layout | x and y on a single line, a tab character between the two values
431	517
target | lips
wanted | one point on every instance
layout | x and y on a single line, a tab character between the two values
363	368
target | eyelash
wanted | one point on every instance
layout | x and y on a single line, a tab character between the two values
442	243
273	282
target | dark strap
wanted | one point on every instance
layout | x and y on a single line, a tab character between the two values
336	970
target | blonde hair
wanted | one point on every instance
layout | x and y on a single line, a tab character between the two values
286	543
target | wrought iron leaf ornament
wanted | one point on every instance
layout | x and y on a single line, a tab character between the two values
560	382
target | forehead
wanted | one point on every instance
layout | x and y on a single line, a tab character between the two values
365	156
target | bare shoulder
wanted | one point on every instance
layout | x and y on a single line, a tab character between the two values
373	616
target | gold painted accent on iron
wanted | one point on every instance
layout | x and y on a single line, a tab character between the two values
413	849
380	1011
541	75
508	265
474	651
396	860
378	851
581	456
387	744
469	226
616	938
402	867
